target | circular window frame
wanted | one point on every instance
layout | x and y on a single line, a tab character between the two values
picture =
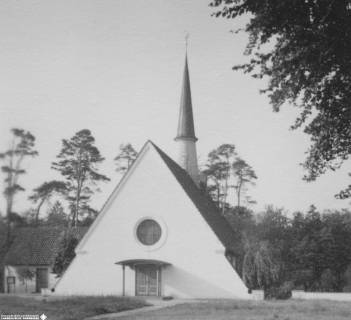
158	244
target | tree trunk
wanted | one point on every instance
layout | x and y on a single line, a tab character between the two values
239	193
76	206
38	211
9	203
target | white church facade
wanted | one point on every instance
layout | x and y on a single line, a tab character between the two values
158	234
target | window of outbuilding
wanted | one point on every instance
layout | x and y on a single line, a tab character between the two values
148	232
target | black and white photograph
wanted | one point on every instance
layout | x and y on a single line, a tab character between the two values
175	159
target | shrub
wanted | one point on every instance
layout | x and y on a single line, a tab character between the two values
281	292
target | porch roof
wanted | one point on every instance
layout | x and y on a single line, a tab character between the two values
134	262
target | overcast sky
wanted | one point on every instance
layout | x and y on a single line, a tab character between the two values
115	67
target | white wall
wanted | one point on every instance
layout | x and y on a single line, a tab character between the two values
187	158
198	268
335	296
27	285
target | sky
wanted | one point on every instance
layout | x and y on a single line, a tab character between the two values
115	67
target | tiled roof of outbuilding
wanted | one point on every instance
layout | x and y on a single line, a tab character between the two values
37	246
206	207
34	246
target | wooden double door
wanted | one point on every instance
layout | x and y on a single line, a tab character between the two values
147	280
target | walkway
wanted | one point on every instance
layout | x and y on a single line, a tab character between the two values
156	304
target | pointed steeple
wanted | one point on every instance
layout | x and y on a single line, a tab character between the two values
186	120
186	139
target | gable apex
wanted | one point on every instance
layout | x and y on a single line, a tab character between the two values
204	205
145	148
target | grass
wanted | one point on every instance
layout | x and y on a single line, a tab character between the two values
73	308
77	308
251	310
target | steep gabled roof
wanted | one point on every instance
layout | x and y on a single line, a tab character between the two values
206	207
34	246
38	245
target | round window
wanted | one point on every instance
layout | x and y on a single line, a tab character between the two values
148	232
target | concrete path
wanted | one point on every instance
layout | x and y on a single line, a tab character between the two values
156	305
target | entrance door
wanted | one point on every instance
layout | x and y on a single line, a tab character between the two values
147	280
42	279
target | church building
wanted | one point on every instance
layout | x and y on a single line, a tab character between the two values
158	234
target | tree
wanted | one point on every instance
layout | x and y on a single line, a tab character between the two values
78	162
26	274
44	193
214	177
57	216
226	170
242	222
244	175
218	173
29	217
22	147
66	253
346	193
304	49
319	249
261	266
125	158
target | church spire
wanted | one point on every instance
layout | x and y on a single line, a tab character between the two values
186	139
186	121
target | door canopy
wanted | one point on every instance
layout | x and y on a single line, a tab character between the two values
135	262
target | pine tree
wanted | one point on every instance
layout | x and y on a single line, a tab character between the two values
78	163
21	147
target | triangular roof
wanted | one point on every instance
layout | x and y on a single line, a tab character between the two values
202	202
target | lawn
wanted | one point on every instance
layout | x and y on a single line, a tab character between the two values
74	308
251	310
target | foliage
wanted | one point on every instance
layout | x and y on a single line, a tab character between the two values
261	267
281	292
78	163
244	175
21	147
17	221
310	250
44	192
346	193
125	157
26	274
304	49
66	253
225	171
322	247
57	216
243	224
29	218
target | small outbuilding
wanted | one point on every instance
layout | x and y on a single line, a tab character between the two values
30	258
28	263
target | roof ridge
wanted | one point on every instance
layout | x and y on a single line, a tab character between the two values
204	204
